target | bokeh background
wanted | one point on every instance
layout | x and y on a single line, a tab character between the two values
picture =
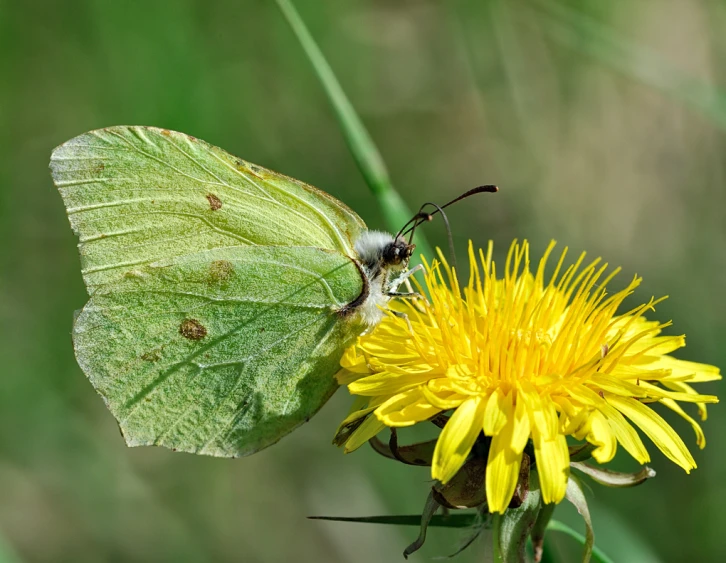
603	122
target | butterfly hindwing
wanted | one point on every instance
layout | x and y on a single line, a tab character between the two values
221	352
136	195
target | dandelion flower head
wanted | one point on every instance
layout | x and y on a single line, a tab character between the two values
526	356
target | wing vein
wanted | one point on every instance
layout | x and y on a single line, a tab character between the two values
227	427
157	159
305	203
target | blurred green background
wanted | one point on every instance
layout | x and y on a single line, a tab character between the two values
603	122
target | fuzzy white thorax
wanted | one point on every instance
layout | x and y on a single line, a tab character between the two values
370	249
370	246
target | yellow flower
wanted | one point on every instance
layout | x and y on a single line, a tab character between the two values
522	358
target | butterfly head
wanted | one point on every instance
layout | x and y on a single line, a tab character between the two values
381	252
397	253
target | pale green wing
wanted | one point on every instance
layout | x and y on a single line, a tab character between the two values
222	352
136	195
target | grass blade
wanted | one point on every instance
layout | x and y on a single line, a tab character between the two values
438	521
366	155
597	554
7	554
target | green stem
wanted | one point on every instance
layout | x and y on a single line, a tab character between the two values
361	145
496	530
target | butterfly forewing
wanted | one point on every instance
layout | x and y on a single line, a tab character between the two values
136	195
221	352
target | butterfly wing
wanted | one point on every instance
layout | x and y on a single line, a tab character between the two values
136	195
215	284
221	352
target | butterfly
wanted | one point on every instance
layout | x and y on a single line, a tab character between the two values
222	294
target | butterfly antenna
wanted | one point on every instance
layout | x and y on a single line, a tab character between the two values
427	217
422	216
419	218
471	192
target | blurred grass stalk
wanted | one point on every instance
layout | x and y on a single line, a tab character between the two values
364	151
598	556
7	555
578	31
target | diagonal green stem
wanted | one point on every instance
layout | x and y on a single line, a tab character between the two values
364	151
597	554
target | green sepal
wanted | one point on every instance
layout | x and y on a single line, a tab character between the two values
466	489
429	510
512	528
419	454
581	452
614	478
576	495
539	529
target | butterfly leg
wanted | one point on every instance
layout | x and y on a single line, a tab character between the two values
403	316
404	278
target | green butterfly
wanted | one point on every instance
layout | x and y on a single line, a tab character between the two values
222	294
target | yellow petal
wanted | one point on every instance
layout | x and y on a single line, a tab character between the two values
521	430
502	469
443	400
390	349
386	383
656	429
688	371
553	467
657	346
700	436
496	412
618	387
541	410
457	438
406	409
685	388
370	427
624	432
575	425
353	361
601	435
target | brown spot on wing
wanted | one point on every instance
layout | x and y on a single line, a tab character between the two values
165	132
192	329
220	271
152	355
214	202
